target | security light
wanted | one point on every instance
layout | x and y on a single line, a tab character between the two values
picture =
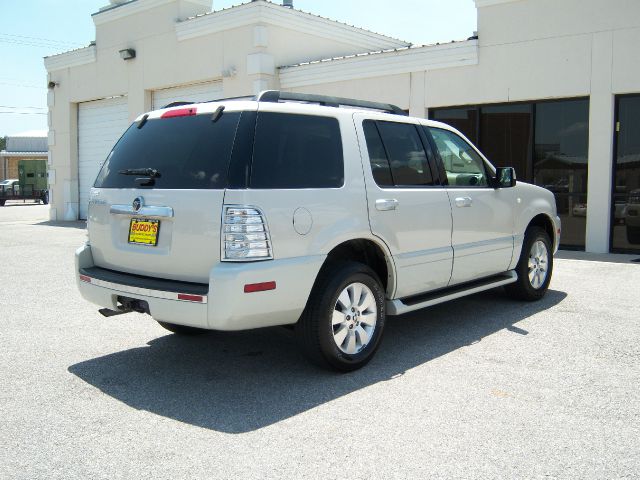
127	54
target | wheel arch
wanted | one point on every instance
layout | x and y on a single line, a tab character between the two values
370	252
545	222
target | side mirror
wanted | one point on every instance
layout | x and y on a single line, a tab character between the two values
505	177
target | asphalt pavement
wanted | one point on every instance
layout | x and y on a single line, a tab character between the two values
482	387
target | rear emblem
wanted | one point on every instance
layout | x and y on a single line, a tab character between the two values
138	204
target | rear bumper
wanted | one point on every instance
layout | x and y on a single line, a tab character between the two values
220	305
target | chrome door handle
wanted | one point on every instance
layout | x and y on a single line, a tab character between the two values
384	204
463	202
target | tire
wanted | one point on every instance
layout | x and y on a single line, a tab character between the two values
633	235
45	198
182	329
2	202
343	334
537	248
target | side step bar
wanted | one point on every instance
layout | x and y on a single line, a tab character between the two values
409	304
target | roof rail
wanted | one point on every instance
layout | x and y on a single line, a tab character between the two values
275	96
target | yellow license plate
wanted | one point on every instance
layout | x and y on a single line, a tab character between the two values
144	232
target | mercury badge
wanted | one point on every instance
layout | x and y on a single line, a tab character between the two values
138	203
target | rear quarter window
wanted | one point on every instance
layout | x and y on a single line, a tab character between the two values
189	152
297	151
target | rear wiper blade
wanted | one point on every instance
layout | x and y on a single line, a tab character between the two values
147	172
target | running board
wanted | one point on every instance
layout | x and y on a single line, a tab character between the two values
416	302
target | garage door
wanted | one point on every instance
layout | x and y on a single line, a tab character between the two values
201	92
100	125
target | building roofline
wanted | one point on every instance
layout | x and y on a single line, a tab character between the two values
380	63
270	12
130	7
5	153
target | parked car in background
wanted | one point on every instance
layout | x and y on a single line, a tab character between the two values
579	210
10	187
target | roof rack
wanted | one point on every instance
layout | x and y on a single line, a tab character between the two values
181	103
275	96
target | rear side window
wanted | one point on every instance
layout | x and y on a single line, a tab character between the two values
397	155
377	155
189	152
297	151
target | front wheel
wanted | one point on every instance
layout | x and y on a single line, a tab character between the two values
534	268
342	324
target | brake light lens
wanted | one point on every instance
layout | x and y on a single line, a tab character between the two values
245	235
180	112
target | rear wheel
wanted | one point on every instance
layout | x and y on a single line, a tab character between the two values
534	268
182	329
342	324
2	202
45	198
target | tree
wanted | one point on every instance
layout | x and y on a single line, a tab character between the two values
3	143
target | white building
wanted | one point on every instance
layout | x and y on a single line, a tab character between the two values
552	88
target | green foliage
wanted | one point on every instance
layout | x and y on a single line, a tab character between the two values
3	143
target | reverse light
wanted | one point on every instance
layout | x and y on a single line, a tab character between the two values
245	236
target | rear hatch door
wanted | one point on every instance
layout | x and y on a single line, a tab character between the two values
155	208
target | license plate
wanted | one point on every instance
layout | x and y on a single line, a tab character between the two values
144	232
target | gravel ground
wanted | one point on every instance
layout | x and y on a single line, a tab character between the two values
482	387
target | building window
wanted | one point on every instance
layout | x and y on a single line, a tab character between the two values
546	142
560	162
625	228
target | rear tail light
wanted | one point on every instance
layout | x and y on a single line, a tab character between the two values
245	235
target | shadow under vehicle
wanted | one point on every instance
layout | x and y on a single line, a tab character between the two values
237	382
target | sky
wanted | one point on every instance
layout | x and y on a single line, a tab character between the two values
33	29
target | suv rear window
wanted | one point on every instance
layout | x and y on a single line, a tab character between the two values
189	152
297	151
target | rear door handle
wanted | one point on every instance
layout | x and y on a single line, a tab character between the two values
384	204
463	202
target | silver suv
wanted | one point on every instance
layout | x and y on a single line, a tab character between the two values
321	213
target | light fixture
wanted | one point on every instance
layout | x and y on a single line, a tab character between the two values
127	54
52	85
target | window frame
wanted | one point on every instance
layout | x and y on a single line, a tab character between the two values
431	163
489	169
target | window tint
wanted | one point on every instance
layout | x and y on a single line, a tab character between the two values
189	152
377	156
407	158
297	151
463	165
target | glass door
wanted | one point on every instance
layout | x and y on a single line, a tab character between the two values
625	219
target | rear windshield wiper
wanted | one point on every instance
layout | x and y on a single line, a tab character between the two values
147	172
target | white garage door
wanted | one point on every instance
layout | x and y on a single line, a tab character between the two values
100	125
201	92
